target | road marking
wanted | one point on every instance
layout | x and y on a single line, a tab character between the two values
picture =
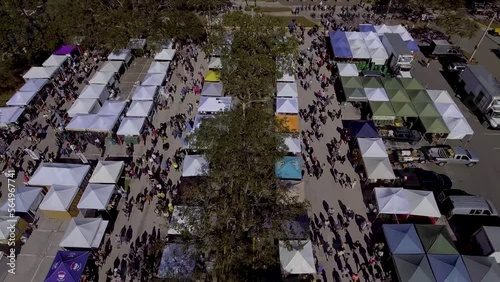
492	134
496	148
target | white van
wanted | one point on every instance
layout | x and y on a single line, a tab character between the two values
468	205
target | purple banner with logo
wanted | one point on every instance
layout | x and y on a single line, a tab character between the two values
67	266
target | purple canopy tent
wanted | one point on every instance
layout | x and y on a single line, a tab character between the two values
67	266
67	49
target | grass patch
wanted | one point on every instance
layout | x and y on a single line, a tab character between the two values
299	20
4	98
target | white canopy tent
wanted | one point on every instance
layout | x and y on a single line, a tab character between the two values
103	78
372	147
287	105
96	196
140	109
84	233
156	79
131	126
112	108
375	47
95	91
34	85
347	69
194	165
401	30
124	55
6	224
287	89
59	197
21	98
422	203
81	122
215	63
145	93
440	96
214	89
382	29
112	66
293	144
358	47
376	94
378	168
40	72
296	257
55	61
391	200
459	128
449	110
48	174
103	123
287	77
27	200
213	104
84	106
165	55
159	67
10	114
107	172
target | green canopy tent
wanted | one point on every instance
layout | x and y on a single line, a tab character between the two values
371	82
351	82
355	94
413	268
419	96
397	95
434	125
382	110
402	109
391	83
426	110
411	83
436	239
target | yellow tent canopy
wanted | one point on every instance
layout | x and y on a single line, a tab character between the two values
212	76
291	122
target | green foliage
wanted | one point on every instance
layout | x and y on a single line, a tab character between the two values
458	23
242	204
250	68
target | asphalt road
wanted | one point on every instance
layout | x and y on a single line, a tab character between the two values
479	180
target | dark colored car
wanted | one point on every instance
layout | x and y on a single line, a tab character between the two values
417	178
402	134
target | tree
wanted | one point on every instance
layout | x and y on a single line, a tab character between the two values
258	42
458	23
242	205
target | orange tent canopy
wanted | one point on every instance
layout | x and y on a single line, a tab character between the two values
291	122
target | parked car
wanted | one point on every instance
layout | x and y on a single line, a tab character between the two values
443	154
417	178
400	134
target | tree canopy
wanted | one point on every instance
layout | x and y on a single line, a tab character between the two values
258	42
457	23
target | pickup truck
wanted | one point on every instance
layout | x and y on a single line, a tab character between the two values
444	154
400	134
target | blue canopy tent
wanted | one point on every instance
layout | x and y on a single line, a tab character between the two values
340	44
448	268
402	239
67	266
412	46
367	28
289	168
361	128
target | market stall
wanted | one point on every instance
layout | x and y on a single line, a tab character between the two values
459	128
60	201
291	122
113	66
84	107
107	172
287	106
358	47
372	147
413	268
289	168
69	50
124	55
103	123
154	79
296	257
215	63
8	225
103	78
27	200
214	104
361	128
340	44
41	72
378	168
286	77
194	165
55	61
404	110
419	97
95	91
287	90
382	112
214	89
371	82
426	110
159	67
292	143
67	266
448	268
21	99
397	95
376	49
145	93
376	94
34	85
165	55
84	233
131	129
410	83
482	269
112	108
96	197
434	125
140	109
402	239
212	76
440	96
436	239
48	174
347	69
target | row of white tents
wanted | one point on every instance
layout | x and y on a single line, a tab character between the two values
400	201
375	159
